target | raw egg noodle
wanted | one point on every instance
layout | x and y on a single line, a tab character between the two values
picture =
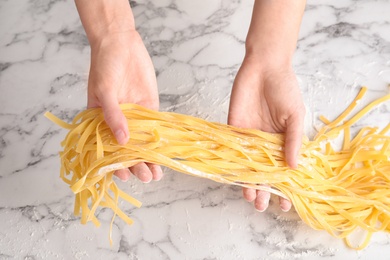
334	190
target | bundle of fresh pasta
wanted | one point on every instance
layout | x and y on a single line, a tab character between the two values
333	190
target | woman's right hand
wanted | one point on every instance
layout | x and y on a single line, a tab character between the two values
122	72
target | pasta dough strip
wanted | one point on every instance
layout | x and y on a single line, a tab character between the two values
334	190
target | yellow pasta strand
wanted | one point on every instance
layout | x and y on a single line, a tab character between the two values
333	190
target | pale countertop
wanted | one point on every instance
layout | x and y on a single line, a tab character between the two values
196	47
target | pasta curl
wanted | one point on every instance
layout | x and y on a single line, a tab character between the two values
337	190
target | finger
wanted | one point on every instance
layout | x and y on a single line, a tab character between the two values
262	200
115	119
293	141
249	194
156	170
285	205
142	172
123	174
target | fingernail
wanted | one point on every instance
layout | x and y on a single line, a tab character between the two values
125	179
285	207
262	207
144	177
295	165
120	137
158	176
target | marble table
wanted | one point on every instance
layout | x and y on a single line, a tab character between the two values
197	48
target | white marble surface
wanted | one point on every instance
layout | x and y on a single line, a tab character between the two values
197	47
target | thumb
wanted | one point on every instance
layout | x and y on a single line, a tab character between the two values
293	139
115	119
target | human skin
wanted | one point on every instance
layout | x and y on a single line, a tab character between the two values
265	93
121	71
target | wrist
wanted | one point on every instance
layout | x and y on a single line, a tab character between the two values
115	39
120	26
101	18
273	32
264	61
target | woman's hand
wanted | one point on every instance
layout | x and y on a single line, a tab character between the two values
265	93
121	71
270	100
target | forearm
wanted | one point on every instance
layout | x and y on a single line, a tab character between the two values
104	17
274	29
